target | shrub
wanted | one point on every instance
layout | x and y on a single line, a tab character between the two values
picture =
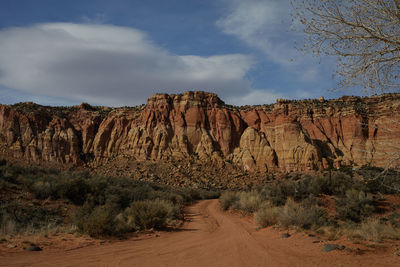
23	217
150	214
301	215
277	193
74	189
8	226
267	215
355	206
374	229
99	221
173	197
102	222
378	181
7	175
80	216
249	201
337	183
208	194
3	184
227	199
43	190
394	219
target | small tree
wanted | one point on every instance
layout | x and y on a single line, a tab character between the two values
363	34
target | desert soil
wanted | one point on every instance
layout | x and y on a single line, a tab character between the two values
211	237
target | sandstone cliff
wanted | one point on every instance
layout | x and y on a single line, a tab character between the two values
286	136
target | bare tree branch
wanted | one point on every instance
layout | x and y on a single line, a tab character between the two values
363	34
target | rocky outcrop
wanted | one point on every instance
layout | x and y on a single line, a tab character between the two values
287	136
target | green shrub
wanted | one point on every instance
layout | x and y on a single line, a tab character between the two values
355	206
302	215
80	216
175	198
337	183
277	193
228	199
150	214
108	205
22	217
101	222
74	189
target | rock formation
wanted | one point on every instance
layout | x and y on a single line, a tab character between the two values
286	136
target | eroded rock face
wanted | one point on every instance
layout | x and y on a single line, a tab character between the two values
287	136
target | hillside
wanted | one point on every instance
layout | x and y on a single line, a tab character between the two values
196	129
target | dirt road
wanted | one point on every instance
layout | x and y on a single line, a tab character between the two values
210	238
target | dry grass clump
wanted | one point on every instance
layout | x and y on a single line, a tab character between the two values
249	201
245	201
267	215
150	214
355	206
373	229
15	218
228	199
301	215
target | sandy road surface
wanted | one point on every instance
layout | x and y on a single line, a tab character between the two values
210	238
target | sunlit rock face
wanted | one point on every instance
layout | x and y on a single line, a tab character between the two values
286	136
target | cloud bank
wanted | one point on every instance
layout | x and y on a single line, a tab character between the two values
110	65
265	25
255	97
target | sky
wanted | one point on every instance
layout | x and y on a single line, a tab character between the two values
120	52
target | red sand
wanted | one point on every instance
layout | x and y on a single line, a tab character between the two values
210	238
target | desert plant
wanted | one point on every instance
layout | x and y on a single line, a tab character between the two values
249	201
8	226
373	229
101	222
355	206
277	193
227	199
267	215
378	180
304	216
74	189
18	217
43	189
150	214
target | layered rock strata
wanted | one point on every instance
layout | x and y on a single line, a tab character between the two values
286	136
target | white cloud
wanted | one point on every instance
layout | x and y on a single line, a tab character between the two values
265	25
109	65
255	97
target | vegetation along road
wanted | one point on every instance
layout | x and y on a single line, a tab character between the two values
210	237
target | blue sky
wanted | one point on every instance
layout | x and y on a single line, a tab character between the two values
114	53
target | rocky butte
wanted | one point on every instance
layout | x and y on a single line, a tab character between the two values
285	136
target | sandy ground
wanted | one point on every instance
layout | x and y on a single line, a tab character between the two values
209	238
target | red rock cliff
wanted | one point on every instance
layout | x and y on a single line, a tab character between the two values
286	136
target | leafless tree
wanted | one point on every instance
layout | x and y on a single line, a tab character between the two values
363	34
